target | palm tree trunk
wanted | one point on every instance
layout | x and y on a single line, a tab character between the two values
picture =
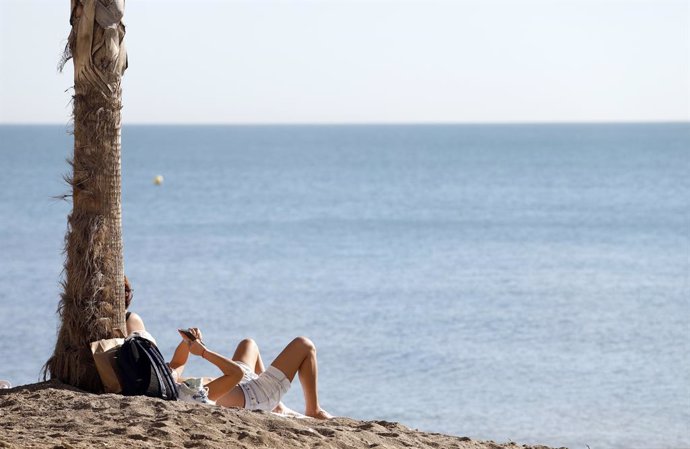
92	301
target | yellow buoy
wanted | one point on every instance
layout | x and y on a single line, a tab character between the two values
158	180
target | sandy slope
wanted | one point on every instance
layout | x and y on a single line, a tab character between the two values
52	415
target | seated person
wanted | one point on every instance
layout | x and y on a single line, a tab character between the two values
245	383
133	321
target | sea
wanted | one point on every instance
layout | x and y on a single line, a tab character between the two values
525	283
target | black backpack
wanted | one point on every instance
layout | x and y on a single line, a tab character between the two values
143	370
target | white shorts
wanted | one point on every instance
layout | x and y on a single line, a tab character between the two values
247	373
263	391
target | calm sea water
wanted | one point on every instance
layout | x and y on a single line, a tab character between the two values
501	282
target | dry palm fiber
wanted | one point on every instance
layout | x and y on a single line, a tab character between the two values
92	302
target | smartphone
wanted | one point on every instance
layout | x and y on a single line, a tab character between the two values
187	333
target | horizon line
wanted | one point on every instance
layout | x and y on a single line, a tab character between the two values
383	123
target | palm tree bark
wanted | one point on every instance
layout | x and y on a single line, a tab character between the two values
92	302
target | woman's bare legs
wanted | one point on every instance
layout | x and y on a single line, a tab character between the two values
300	357
248	352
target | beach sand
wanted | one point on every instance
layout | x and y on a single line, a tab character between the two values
57	416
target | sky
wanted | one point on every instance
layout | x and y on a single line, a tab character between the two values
366	61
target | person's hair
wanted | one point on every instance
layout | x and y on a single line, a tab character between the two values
128	293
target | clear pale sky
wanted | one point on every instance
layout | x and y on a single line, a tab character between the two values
366	61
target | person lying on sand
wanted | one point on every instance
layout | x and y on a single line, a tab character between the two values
245	383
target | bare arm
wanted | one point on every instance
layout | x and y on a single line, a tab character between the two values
227	366
179	359
135	323
232	373
181	353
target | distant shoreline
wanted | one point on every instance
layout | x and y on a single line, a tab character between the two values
382	124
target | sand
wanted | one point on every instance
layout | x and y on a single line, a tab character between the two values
54	415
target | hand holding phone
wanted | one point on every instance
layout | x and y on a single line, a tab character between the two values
187	334
191	334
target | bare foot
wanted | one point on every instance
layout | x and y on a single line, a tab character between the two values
283	409
320	414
